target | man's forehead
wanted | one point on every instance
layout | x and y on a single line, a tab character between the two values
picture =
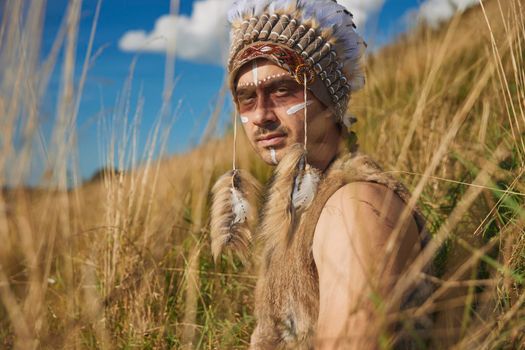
257	70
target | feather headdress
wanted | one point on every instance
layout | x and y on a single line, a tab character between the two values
322	32
233	214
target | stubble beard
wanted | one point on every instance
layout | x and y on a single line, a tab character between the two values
265	153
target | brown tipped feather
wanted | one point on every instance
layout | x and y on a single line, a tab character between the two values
231	231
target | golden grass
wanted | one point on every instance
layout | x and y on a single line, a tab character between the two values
124	261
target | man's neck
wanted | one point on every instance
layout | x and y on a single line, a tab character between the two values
324	155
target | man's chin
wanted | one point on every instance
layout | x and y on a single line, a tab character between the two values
272	156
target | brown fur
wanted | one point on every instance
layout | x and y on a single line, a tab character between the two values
224	233
287	293
280	195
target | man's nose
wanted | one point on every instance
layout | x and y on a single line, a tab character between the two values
264	114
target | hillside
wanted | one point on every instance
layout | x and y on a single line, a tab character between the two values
124	261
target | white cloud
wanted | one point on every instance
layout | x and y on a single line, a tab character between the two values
204	37
201	37
362	9
437	11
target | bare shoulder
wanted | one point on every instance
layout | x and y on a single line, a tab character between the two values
360	213
350	245
360	195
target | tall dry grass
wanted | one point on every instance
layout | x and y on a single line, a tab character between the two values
443	109
123	261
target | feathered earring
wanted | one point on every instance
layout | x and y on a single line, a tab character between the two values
305	185
233	210
307	178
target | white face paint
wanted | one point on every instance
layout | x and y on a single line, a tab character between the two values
244	119
255	73
297	108
273	154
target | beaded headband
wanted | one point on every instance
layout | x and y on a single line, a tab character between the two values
280	55
312	37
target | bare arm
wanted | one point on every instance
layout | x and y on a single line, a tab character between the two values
349	242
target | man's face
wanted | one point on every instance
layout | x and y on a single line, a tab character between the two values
271	106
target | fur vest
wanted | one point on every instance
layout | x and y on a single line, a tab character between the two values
287	292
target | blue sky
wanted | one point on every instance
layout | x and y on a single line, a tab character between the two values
198	84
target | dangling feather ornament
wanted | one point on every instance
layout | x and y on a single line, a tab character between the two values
240	207
305	185
235	196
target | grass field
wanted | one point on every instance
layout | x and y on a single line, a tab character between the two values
124	261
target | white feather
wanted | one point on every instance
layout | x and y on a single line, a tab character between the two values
240	207
247	8
322	11
349	120
277	5
305	188
240	9
261	7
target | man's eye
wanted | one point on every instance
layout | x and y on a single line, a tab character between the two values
246	100
282	91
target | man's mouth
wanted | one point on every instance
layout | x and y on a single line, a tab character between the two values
271	140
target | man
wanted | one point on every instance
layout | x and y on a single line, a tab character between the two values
334	245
